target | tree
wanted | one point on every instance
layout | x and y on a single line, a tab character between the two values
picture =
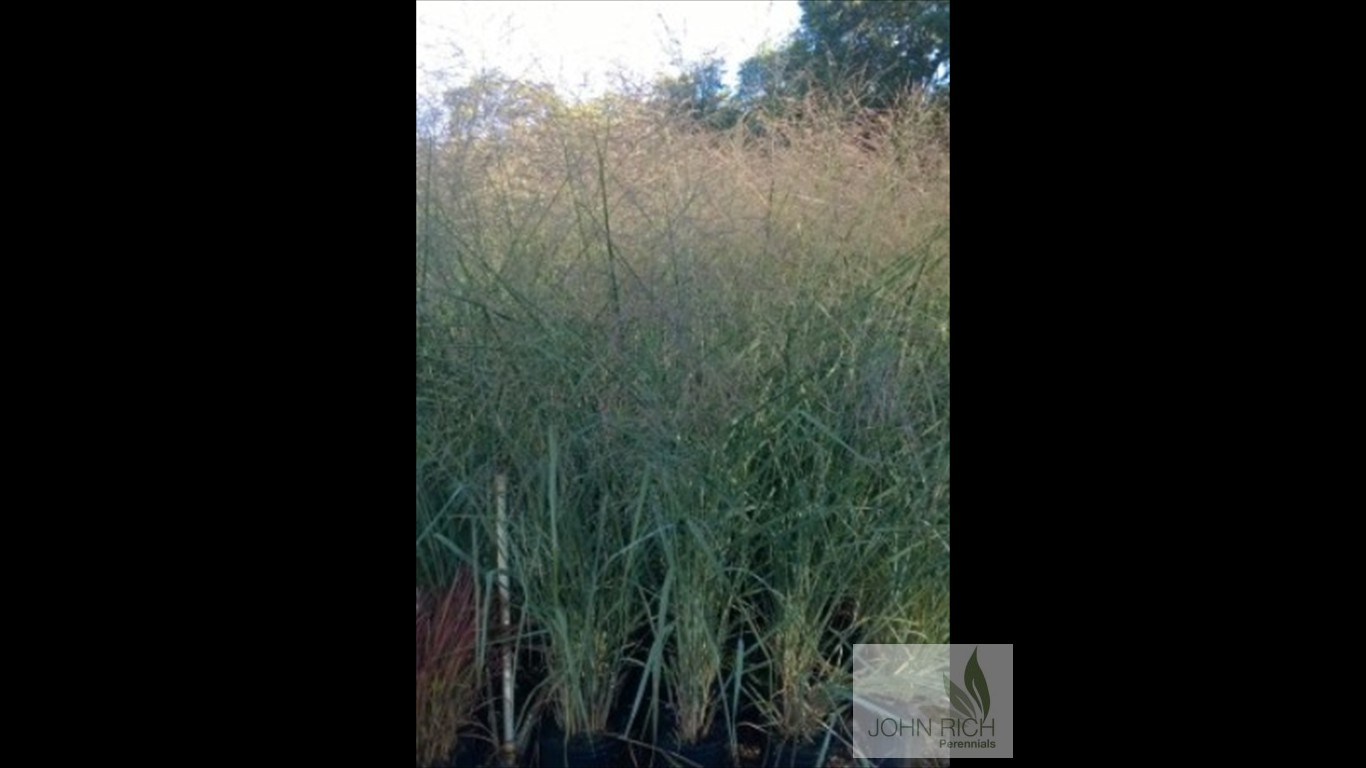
490	104
772	78
871	51
699	94
880	48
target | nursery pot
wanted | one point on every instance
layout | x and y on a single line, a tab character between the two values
581	751
714	753
471	752
798	754
712	750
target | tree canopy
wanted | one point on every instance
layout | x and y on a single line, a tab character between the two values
870	51
862	54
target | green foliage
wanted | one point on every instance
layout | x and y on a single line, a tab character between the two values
716	374
773	78
881	48
577	558
867	53
699	95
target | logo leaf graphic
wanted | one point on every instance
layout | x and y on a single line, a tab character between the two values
976	682
958	700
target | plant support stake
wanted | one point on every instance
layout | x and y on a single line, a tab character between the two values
500	483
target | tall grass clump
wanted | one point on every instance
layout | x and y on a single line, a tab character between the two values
578	557
448	677
715	367
703	594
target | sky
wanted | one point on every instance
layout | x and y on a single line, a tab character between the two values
576	45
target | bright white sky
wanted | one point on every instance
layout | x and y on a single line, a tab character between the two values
577	44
